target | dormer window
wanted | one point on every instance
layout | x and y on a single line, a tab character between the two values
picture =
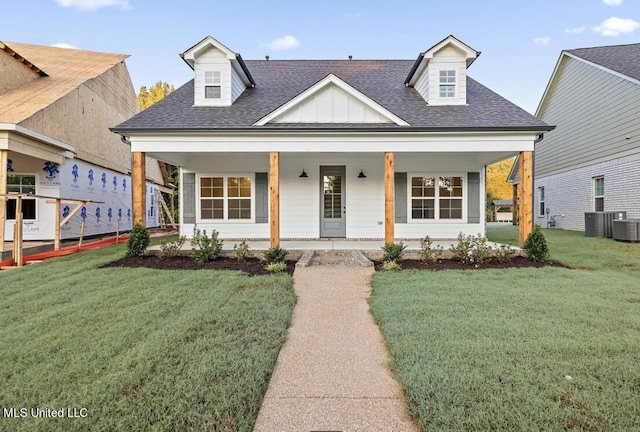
212	85
447	83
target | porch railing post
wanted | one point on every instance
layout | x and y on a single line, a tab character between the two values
389	197
274	195
139	188
526	195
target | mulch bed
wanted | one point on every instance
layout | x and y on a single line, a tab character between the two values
252	266
451	264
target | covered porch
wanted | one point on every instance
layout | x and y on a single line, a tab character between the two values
333	191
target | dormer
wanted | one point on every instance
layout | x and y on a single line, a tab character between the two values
220	74
439	74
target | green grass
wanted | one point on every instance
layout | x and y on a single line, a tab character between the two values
491	349
140	349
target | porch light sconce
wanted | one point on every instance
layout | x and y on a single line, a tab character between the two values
362	174
304	174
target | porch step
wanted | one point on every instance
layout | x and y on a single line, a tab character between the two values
341	258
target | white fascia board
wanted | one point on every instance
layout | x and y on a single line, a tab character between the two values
67	148
317	87
371	143
190	55
452	40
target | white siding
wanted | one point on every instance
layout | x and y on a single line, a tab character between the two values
331	105
212	60
300	197
596	117
447	59
237	86
422	86
571	193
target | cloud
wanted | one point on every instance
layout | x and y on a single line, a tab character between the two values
613	2
94	4
575	30
544	40
64	45
615	26
284	43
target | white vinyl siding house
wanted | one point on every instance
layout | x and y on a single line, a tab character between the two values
331	148
596	108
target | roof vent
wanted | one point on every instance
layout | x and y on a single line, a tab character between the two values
266	58
350	57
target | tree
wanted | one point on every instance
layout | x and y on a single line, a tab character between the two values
146	98
155	93
497	185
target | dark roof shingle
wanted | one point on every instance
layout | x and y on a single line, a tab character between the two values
278	81
624	59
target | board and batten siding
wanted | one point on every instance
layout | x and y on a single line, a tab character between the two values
331	105
596	117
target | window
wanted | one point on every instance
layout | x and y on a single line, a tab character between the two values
21	184
437	198
598	184
212	85
225	198
447	83
541	211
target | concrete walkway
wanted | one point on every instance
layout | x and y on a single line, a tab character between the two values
332	373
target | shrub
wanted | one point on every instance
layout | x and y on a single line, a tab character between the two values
171	249
205	248
276	267
471	250
241	251
138	241
429	253
504	253
391	266
462	250
275	255
535	246
393	252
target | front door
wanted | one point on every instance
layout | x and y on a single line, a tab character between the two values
333	212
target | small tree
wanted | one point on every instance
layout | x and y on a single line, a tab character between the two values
535	246
138	241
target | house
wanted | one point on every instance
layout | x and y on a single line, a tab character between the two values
56	107
310	149
591	161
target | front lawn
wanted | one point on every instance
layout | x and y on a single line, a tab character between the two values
520	349
139	349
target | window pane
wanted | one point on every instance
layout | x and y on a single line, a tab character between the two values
28	209
245	192
217	181
447	91
212	92
450	209
599	186
206	181
422	208
599	204
232	192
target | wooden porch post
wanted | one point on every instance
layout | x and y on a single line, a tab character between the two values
274	195
4	156
389	197
514	205
526	195
139	188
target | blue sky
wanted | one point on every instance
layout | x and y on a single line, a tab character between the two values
520	40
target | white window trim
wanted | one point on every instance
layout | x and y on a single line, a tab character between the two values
206	84
437	219
543	207
454	84
37	181
595	192
199	219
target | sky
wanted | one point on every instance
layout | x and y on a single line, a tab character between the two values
520	40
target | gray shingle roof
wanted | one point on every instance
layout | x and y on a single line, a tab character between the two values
278	81
624	59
